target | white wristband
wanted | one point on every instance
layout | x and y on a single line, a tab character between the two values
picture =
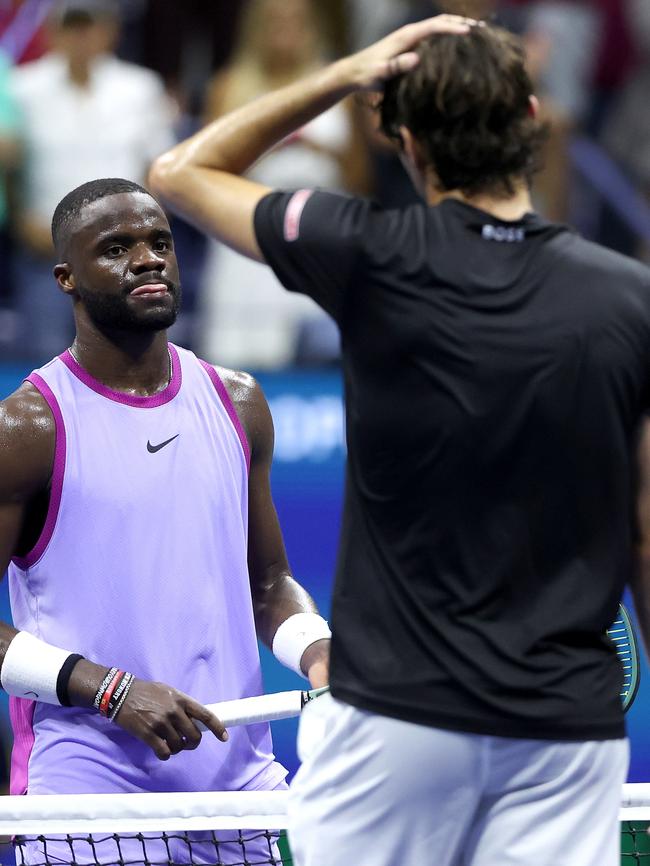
297	633
31	668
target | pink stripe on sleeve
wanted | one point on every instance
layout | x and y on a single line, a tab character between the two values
293	213
58	471
222	391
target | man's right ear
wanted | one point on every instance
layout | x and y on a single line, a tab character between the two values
64	277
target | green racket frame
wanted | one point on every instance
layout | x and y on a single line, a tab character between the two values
621	633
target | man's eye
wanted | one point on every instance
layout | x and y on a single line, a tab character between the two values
114	251
162	246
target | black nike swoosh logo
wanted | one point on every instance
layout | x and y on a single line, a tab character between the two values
153	448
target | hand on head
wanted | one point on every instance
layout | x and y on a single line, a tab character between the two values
395	54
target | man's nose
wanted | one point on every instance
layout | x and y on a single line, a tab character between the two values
144	258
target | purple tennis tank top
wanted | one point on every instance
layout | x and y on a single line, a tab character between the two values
142	564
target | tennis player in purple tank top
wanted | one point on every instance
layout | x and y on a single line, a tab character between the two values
136	520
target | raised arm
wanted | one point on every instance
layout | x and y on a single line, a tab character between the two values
277	596
201	179
158	715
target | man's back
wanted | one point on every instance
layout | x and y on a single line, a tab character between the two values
487	527
496	372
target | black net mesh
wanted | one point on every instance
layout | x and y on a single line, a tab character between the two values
216	847
635	843
219	848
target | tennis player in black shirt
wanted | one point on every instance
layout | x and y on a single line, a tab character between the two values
497	368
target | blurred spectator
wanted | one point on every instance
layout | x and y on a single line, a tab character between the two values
85	114
247	318
9	138
183	41
627	131
372	19
563	38
9	156
22	34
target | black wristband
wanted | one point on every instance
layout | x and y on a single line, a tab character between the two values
64	678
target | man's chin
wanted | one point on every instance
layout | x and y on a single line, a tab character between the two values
151	323
118	314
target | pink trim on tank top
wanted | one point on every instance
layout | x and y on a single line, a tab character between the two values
159	399
58	471
21	713
229	406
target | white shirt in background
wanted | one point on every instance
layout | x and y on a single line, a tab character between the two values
113	127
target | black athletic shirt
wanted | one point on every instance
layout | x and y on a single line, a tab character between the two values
495	376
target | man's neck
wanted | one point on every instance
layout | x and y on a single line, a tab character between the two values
80	71
509	209
135	364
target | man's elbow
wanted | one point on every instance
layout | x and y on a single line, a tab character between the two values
165	176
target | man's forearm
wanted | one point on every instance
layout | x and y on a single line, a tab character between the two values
200	179
234	142
275	600
299	642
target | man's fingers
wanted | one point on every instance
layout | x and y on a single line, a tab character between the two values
160	748
189	733
212	723
398	51
409	36
175	742
401	64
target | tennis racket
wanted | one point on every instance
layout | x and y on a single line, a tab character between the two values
622	636
264	708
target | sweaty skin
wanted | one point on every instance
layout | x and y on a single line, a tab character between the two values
124	242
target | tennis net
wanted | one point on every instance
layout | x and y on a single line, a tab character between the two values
127	829
205	828
635	825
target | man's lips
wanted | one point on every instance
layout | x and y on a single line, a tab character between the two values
150	289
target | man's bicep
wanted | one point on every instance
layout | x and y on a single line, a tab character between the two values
219	204
27	441
16	489
11	522
267	556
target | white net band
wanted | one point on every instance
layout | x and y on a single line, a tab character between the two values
195	829
635	802
128	813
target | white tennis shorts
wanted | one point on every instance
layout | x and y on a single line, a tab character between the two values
375	791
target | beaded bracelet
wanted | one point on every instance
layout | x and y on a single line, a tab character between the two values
125	685
104	685
108	693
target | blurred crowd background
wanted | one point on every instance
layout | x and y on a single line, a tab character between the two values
92	88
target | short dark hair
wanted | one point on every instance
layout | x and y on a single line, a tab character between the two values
73	203
81	13
468	104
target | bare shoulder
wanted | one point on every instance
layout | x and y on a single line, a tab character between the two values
251	407
25	413
27	440
242	387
